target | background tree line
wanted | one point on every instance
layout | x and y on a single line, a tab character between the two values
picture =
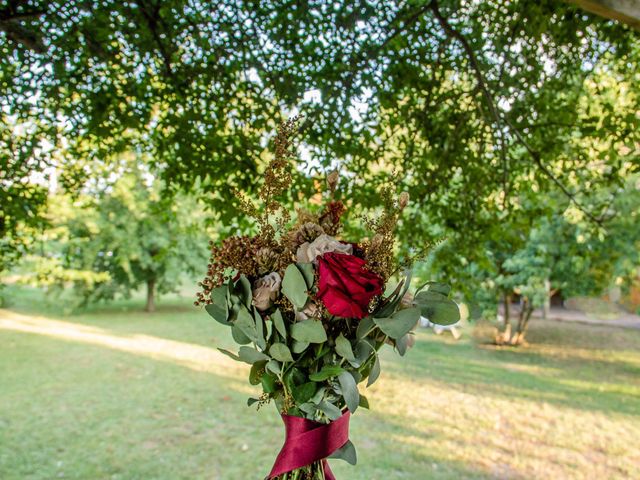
504	121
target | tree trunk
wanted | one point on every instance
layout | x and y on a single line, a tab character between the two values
547	301
151	296
523	323
504	335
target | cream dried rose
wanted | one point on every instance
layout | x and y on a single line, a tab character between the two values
308	252
266	290
310	310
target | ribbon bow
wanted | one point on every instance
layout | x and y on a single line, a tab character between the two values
307	441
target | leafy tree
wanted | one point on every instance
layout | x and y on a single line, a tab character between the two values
463	98
123	238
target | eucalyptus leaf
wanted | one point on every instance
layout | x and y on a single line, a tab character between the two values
274	367
308	272
349	391
438	308
330	410
303	393
247	324
251	355
243	286
317	397
239	336
365	325
259	325
310	330
326	372
347	453
309	408
299	347
278	322
294	287
400	323
363	350
230	354
219	309
402	343
256	372
396	297
280	352
269	382
375	371
431	286
343	348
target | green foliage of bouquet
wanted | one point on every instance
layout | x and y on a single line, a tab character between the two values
311	311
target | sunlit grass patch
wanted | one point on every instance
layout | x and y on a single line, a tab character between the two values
117	393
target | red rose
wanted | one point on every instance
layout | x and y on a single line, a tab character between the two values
345	287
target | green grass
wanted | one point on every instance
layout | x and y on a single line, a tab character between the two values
112	392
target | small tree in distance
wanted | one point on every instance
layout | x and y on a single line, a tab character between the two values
130	236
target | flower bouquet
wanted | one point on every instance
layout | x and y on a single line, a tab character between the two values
311	312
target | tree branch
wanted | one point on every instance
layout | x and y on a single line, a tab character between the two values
499	119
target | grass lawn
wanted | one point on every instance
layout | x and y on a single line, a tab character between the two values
116	393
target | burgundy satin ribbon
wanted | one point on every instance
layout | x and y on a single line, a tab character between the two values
307	441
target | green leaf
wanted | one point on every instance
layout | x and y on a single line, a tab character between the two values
364	403
347	452
438	308
326	372
309	330
330	410
442	288
251	355
280	352
274	367
239	336
363	350
259	325
308	272
269	382
309	408
256	372
278	322
247	325
219	309
251	401
230	354
396	297
349	391
343	348
375	371
299	347
303	393
364	326
245	290
400	323
402	344
294	287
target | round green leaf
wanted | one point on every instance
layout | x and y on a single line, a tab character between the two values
400	323
281	352
310	331
294	286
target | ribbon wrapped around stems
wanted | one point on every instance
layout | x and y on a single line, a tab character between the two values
307	441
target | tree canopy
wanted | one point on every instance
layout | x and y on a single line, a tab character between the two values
480	109
121	238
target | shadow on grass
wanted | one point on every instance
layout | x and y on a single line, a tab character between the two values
593	384
150	405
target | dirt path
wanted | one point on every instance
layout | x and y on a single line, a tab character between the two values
624	320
